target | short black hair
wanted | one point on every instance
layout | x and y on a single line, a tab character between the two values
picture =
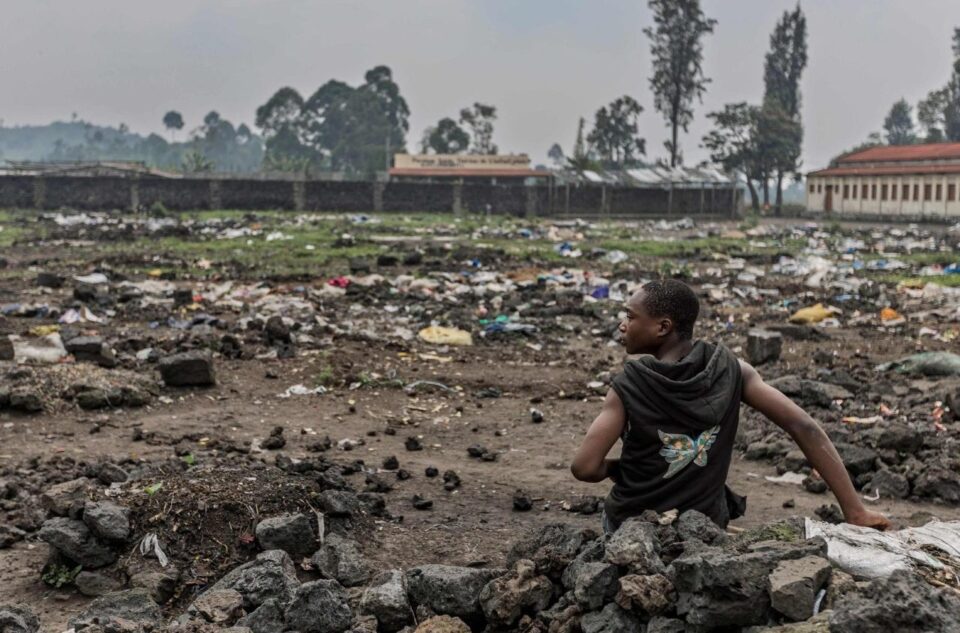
675	300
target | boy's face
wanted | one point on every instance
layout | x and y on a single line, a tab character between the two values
641	333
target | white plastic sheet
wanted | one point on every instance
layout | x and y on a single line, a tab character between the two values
867	553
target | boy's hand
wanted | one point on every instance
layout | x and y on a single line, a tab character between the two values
870	519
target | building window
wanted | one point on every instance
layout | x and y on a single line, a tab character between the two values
952	192
813	189
863	191
853	191
906	192
836	189
819	188
883	192
873	192
846	191
928	192
939	192
893	192
916	192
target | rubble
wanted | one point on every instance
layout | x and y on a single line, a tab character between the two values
763	346
291	533
188	369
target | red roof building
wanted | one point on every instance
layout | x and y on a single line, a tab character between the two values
896	180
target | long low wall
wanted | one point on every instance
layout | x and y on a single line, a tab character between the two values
101	193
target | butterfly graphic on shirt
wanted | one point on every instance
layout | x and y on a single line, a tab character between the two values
679	449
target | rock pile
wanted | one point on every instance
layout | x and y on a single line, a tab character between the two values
906	454
655	574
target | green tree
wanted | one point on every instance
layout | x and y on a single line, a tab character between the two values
173	121
939	113
446	137
677	52
357	129
899	124
196	163
582	159
733	143
780	136
227	147
614	135
780	117
952	110
281	120
324	119
479	118
555	154
931	115
379	81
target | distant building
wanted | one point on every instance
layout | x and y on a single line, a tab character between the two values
897	180
123	169
509	169
651	176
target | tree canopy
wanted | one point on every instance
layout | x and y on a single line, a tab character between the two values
899	124
676	47
479	118
446	137
614	136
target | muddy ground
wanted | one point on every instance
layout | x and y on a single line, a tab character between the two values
474	524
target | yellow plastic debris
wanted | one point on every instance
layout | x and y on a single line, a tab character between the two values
154	272
813	314
44	330
445	336
889	314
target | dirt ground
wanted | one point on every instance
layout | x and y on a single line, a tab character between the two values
473	525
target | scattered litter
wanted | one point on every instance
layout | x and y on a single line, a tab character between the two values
787	478
813	314
302	390
445	336
150	544
926	363
94	279
44	349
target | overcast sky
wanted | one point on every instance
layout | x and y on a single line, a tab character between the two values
543	63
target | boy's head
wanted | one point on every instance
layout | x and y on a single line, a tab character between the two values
660	312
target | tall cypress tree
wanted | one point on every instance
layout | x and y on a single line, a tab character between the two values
783	67
677	50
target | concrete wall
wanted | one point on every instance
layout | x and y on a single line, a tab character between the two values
115	193
927	196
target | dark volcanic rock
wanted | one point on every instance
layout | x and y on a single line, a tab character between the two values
903	603
187	369
73	539
449	590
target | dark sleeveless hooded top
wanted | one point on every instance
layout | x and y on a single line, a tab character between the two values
678	440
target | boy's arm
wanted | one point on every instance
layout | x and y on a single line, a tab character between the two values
590	463
814	443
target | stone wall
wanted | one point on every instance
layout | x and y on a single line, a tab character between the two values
183	194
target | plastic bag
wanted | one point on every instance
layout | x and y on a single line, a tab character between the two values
445	336
926	363
868	553
813	314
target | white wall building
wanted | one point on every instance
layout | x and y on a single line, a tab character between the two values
897	180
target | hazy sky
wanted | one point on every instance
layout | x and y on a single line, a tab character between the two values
543	63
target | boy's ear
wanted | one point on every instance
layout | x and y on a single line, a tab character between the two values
665	326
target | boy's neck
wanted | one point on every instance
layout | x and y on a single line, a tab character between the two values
674	349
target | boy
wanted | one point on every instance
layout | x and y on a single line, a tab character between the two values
677	408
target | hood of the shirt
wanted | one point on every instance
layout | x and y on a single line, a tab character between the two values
696	390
